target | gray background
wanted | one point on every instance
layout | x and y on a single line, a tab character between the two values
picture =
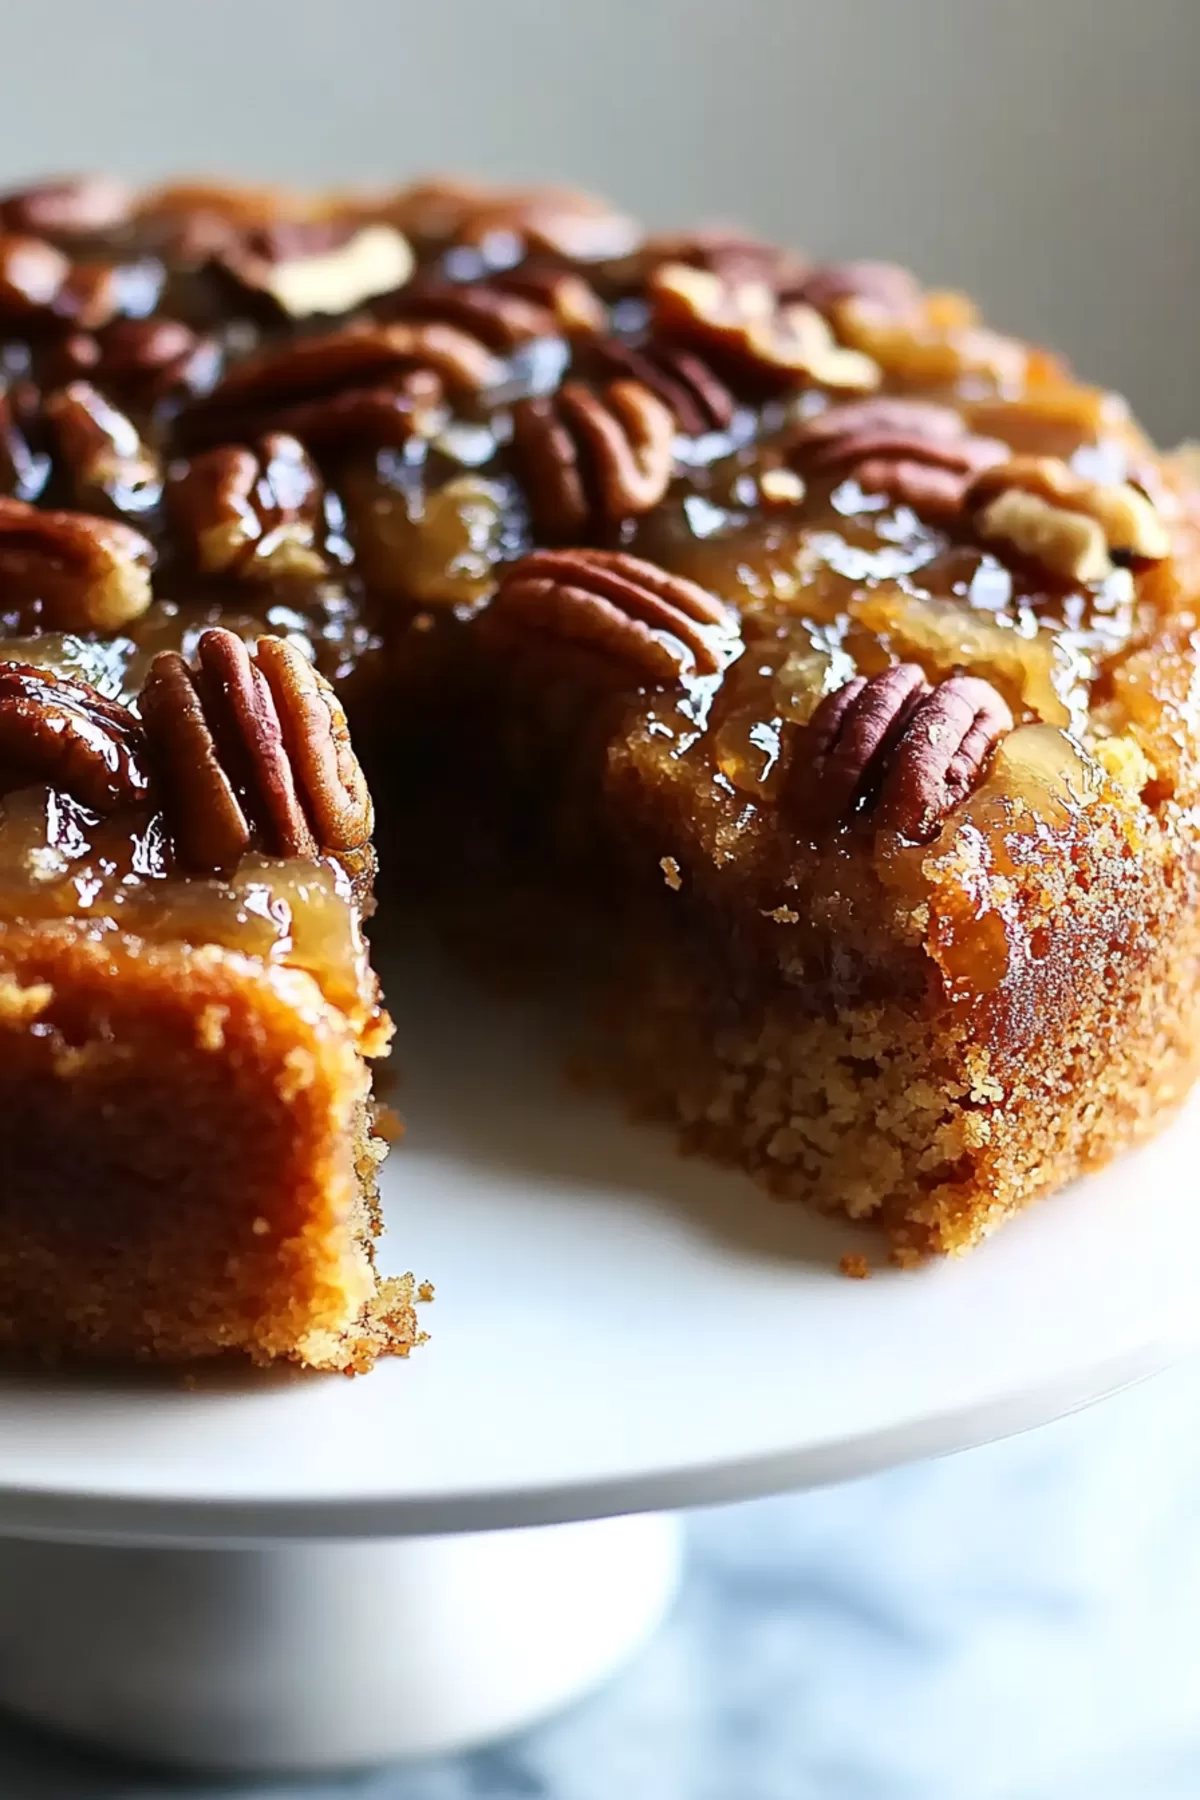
1040	152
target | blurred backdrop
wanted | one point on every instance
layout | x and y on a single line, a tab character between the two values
1039	152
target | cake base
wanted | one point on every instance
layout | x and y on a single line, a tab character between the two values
324	1657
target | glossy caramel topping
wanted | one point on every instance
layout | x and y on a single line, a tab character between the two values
341	420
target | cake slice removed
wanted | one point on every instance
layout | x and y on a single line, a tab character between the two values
188	1149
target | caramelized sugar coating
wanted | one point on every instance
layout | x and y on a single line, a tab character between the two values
838	645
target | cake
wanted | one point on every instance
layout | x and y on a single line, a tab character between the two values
809	669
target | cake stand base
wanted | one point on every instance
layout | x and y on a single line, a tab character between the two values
324	1656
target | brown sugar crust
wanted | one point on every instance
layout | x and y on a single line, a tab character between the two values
826	656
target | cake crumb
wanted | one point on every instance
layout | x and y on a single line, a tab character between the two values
671	873
387	1123
783	915
298	1073
21	1005
210	1027
425	1290
855	1265
905	1256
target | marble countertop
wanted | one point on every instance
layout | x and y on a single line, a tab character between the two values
1020	1622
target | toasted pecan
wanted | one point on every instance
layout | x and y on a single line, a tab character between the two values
24	460
941	756
139	361
745	323
565	294
377	384
66	734
681	378
849	734
69	207
1071	525
217	746
322	268
542	221
251	750
85	573
733	255
32	276
317	738
895	748
591	459
660	625
101	451
96	294
255	513
499	318
915	451
884	285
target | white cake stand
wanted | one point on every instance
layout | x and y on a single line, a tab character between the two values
296	1572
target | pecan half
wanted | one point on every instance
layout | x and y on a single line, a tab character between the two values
100	449
317	738
941	756
884	285
499	318
325	267
254	514
915	451
745	323
95	294
70	207
549	221
142	361
32	274
238	203
252	750
660	625
851	732
893	747
24	463
1069	524
700	401
556	222
735	256
39	284
87	573
380	383
216	745
592	459
571	301
66	734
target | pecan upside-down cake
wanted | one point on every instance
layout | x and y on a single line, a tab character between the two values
829	657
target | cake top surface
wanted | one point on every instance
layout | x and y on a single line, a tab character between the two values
843	562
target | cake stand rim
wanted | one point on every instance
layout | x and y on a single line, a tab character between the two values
255	1521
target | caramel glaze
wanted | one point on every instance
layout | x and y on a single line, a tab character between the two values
839	582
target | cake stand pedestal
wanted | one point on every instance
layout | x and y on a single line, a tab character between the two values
307	1658
286	1572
